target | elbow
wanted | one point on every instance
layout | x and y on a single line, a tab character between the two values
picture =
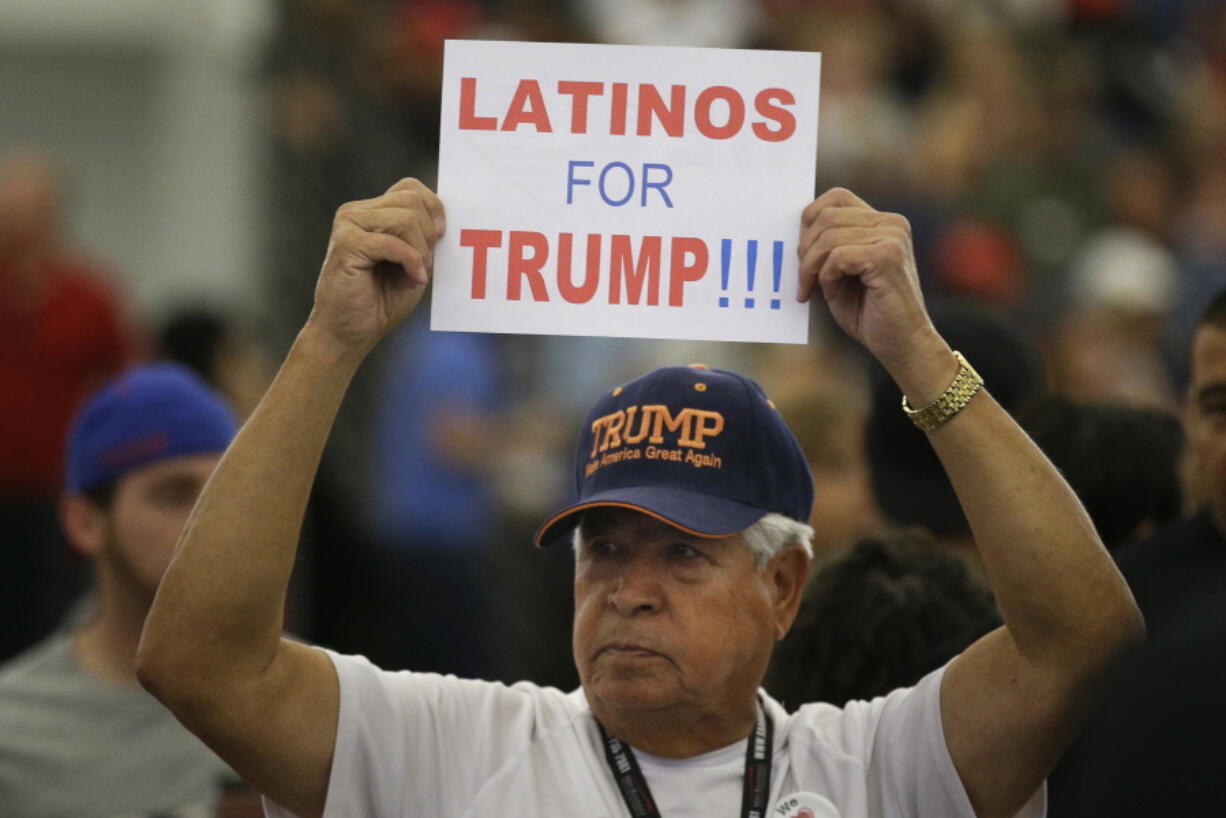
178	688
151	671
150	681
1120	632
161	671
151	654
1103	639
184	673
1118	646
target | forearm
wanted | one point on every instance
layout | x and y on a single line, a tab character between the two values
1059	592
219	607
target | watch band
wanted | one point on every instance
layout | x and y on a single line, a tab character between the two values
955	397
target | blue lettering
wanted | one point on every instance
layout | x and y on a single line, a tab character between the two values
571	181
629	183
660	185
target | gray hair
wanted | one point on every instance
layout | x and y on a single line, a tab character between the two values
765	538
775	532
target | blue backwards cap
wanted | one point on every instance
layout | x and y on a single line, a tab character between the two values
147	414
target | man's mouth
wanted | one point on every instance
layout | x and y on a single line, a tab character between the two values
629	650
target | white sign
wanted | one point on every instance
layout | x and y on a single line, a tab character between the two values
629	191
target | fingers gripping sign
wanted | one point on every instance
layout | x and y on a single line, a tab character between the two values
864	264
378	263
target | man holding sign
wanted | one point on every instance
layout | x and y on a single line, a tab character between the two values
687	571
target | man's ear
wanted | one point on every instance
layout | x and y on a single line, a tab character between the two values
787	572
84	524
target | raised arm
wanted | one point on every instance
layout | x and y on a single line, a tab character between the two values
1012	701
212	649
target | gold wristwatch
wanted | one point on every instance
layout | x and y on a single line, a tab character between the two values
955	397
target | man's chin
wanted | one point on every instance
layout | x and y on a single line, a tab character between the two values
632	693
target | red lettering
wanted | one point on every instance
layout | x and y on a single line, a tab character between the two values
469	121
670	117
520	266
527	107
634	271
679	272
774	107
579	93
736	112
617	111
622	266
566	285
481	241
762	103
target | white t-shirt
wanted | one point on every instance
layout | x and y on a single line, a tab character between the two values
419	744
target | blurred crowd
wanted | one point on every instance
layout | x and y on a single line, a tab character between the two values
1062	164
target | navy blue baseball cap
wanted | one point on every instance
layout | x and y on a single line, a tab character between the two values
702	449
147	414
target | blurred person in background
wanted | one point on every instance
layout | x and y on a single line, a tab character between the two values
218	349
78	735
826	407
62	334
1123	287
432	504
1199	128
1124	463
980	118
1155	747
881	616
1200	245
978	260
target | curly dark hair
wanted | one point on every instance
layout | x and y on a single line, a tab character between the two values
880	617
1122	462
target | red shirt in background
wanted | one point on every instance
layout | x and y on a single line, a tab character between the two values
53	353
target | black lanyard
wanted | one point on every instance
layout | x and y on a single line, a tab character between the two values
637	794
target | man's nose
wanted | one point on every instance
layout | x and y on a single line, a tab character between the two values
637	589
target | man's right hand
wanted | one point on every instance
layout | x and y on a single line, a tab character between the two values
379	259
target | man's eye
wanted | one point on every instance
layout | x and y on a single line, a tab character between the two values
176	492
602	548
685	550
